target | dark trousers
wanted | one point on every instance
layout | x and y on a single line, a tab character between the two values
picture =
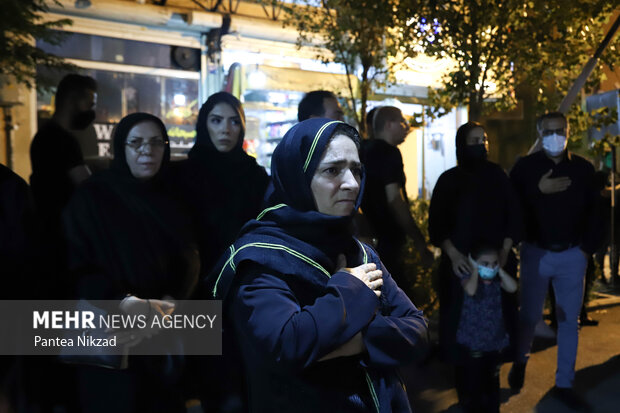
477	382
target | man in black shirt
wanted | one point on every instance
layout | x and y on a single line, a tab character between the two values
57	163
385	204
559	201
57	168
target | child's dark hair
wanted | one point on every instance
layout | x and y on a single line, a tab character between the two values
481	248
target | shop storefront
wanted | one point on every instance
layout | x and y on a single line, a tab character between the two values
272	79
158	61
132	76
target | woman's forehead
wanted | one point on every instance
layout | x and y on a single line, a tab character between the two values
223	109
341	147
145	126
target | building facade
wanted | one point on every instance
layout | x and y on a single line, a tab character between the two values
167	57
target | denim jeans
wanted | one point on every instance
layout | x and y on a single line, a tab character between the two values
566	271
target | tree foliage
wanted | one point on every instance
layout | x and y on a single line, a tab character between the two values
20	24
499	45
361	36
419	281
602	119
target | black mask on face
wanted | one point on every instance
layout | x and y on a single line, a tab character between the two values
476	153
81	120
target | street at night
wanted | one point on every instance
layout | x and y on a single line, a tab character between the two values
597	373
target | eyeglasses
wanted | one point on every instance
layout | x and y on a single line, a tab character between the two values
139	144
548	132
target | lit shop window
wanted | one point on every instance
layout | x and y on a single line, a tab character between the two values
271	94
269	115
161	89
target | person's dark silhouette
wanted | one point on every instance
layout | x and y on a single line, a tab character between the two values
319	104
58	167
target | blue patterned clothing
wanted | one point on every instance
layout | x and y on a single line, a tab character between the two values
481	325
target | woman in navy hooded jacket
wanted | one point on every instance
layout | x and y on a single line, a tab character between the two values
320	323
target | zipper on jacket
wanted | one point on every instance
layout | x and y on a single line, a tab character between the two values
373	393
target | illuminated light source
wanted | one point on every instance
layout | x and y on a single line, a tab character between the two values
179	99
276	98
177	112
257	80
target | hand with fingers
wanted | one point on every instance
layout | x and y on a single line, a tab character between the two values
367	273
461	265
162	307
141	307
548	185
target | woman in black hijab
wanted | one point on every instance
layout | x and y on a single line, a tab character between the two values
129	239
315	335
473	204
224	185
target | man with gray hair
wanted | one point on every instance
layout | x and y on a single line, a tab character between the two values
559	201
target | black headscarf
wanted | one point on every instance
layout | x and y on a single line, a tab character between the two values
473	202
466	155
293	221
224	189
128	235
204	150
121	132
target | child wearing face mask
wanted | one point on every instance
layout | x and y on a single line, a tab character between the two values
482	334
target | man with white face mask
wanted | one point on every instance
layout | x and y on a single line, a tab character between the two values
559	199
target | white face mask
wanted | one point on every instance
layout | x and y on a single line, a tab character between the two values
554	144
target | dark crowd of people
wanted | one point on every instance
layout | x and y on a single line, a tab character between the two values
307	261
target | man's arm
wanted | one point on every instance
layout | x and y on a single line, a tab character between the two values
399	207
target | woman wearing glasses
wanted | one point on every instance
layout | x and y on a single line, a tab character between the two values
129	239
